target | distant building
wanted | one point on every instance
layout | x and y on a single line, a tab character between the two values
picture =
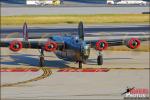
89	1
43	2
140	2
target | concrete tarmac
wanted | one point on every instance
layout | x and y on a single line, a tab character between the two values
126	69
92	31
73	29
25	10
133	72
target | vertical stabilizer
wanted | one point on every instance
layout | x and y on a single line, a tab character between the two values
81	31
25	32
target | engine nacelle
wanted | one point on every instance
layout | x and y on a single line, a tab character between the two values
133	43
50	46
15	45
101	45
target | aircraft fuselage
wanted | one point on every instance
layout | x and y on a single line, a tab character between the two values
75	49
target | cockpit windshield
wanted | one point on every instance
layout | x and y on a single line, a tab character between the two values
76	39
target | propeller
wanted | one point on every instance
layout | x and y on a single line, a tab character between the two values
15	45
133	43
50	46
101	45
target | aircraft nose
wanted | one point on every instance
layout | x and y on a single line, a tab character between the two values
86	50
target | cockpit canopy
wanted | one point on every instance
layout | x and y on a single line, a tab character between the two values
76	39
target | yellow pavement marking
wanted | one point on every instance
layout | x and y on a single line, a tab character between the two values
46	73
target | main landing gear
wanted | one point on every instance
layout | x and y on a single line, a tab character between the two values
80	64
42	58
100	59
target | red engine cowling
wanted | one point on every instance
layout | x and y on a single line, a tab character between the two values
15	45
101	45
133	43
50	46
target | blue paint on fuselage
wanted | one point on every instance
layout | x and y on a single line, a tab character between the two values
71	42
72	50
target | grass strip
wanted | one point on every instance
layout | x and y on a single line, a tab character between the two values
73	19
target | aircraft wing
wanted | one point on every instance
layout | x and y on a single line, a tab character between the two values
129	42
16	45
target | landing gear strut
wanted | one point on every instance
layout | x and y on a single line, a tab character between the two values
42	58
100	59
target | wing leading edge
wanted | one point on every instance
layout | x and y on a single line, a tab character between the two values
32	44
116	42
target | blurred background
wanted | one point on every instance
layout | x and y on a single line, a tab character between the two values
76	2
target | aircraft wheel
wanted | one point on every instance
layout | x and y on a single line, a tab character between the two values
80	64
100	60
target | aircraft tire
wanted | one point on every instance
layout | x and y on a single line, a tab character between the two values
41	61
80	64
100	60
